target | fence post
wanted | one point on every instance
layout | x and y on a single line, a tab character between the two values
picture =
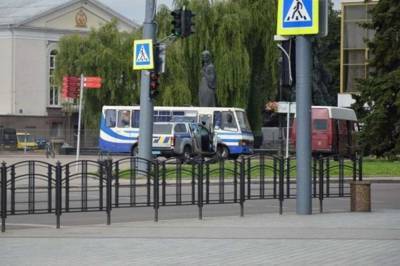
193	184
321	183
248	178
155	191
108	164
354	167
116	195
262	176
360	168
200	189
58	193
3	196
275	176
12	189
341	176
242	187
49	188
327	177
281	183
164	183
101	183
314	177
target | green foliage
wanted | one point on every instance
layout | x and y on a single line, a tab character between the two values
239	35
381	91
105	53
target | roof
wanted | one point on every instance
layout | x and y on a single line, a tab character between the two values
15	12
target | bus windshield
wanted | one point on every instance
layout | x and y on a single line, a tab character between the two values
25	138
243	122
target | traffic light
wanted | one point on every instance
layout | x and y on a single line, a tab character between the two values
187	23
154	84
177	22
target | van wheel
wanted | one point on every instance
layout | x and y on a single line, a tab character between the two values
135	151
187	153
222	152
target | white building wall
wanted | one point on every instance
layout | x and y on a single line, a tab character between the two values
65	19
5	73
31	77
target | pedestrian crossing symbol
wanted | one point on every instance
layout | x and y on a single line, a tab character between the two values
298	17
143	55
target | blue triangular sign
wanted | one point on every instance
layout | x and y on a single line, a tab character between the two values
142	57
297	12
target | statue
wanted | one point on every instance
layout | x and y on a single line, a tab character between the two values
208	82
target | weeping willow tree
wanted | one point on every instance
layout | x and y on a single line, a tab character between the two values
239	35
106	53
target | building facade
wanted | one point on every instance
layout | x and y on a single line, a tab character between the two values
30	30
354	52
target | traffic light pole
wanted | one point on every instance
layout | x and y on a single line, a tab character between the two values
146	103
303	125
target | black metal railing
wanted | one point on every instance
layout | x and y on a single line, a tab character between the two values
36	187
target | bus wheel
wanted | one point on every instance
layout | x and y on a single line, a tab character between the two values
222	152
135	151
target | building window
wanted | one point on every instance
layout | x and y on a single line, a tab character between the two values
54	93
355	54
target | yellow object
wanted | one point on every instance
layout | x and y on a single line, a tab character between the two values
143	54
26	140
298	17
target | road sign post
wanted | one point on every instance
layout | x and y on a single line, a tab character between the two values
300	18
146	102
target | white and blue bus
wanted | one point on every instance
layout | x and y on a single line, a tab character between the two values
119	127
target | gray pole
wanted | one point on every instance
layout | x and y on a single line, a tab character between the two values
146	103
303	124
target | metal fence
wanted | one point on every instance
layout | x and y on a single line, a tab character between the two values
36	187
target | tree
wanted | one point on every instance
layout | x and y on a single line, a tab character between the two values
239	35
107	53
326	62
381	91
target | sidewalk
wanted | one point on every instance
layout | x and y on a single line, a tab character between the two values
267	239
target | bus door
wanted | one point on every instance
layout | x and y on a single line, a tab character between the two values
205	120
343	138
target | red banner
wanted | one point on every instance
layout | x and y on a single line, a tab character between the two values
92	82
71	87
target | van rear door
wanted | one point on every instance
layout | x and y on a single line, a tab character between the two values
320	140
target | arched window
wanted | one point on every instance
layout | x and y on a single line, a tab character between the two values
54	93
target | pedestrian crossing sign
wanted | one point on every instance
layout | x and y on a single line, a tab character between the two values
298	17
143	54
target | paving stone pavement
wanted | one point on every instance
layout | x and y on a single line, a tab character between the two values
266	239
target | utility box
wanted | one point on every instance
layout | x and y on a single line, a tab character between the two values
360	196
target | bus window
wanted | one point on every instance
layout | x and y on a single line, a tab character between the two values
217	119
110	118
124	116
243	122
135	119
225	120
228	121
320	124
162	116
178	113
